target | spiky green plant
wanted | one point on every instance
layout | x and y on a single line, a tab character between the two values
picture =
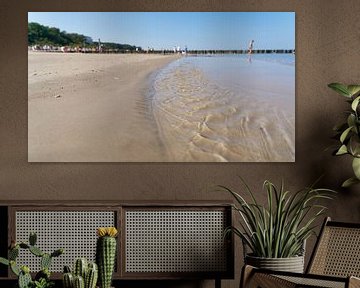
348	132
79	282
279	229
87	272
68	280
80	267
106	254
91	275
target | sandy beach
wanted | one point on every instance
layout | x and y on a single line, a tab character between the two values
157	108
92	108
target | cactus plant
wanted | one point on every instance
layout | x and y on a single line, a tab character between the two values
84	274
80	268
36	251
68	280
32	238
79	282
45	261
13	253
24	277
42	278
105	254
91	276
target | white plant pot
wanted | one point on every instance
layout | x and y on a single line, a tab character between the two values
291	264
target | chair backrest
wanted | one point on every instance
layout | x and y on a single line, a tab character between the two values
337	251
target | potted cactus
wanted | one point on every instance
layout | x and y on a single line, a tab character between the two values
84	275
106	254
42	278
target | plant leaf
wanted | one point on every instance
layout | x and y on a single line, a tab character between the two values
356	167
345	134
4	261
353	89
340	88
342	150
355	103
354	145
349	182
351	120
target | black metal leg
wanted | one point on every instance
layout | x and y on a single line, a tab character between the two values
217	283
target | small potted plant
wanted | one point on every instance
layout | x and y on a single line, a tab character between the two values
275	233
348	132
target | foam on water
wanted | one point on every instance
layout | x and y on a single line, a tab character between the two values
226	108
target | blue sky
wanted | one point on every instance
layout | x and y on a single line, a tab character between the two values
164	30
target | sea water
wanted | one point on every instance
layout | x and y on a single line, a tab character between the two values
237	108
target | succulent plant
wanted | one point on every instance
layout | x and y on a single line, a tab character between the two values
25	279
42	283
91	276
106	254
81	266
85	275
68	278
42	278
79	282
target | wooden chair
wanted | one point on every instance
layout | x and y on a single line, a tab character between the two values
335	262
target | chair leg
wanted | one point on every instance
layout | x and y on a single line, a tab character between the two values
246	273
217	283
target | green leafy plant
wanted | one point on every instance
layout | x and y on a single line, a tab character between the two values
42	278
348	132
279	229
43	283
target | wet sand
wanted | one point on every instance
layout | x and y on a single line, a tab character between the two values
224	109
92	108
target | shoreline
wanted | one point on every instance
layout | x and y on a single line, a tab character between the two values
90	108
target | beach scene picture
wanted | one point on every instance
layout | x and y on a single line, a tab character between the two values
161	86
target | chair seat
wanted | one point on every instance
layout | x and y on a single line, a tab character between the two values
315	282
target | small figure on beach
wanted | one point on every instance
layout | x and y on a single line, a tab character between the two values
251	47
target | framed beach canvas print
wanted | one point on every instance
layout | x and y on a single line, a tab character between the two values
161	86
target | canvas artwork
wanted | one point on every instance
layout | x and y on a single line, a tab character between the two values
161	87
